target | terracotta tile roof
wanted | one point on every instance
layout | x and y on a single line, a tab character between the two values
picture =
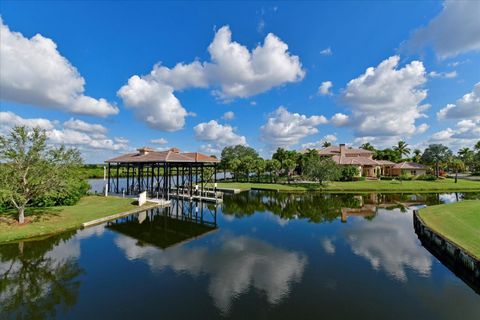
385	163
410	166
146	154
152	156
359	161
200	157
335	150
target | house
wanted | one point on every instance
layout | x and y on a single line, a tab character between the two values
409	169
367	166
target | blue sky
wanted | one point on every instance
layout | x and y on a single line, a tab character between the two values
87	79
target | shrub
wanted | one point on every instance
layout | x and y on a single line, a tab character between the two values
427	177
405	177
348	173
387	178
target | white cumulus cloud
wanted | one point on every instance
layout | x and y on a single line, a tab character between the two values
326	52
34	72
159	141
319	144
340	119
9	120
324	88
87	137
284	129
467	107
229	115
217	136
79	125
232	72
454	31
385	100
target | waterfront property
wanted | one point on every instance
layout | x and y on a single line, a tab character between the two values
48	221
266	254
367	166
163	174
419	186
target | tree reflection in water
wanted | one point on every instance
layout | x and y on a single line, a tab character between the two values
35	281
324	207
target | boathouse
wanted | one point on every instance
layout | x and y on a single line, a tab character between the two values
163	174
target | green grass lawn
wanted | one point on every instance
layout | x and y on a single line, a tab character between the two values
364	186
46	221
459	222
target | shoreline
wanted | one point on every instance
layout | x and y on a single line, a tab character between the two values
64	218
383	186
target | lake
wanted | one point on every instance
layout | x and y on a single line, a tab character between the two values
258	255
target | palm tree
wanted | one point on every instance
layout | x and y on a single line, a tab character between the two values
466	155
367	146
417	155
326	144
402	148
477	146
457	165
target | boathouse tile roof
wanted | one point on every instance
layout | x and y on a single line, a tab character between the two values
148	155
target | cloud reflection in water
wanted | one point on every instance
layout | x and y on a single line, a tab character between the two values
386	242
234	264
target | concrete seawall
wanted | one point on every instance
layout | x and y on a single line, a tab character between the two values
461	262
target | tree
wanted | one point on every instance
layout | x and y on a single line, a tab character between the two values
349	172
282	155
233	166
367	146
477	146
436	154
289	166
322	169
259	165
272	166
402	148
304	158
457	165
326	144
32	170
417	155
387	154
246	166
467	156
232	156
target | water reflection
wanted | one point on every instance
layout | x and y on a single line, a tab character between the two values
234	264
318	207
166	227
387	243
38	277
280	264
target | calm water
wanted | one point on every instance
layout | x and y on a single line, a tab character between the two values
259	255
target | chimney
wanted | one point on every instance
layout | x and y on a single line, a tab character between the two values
144	150
342	150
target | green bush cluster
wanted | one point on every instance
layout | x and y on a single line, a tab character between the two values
348	173
426	177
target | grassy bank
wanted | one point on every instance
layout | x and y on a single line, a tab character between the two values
364	186
459	222
46	221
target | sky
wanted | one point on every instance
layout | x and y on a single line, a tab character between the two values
109	77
